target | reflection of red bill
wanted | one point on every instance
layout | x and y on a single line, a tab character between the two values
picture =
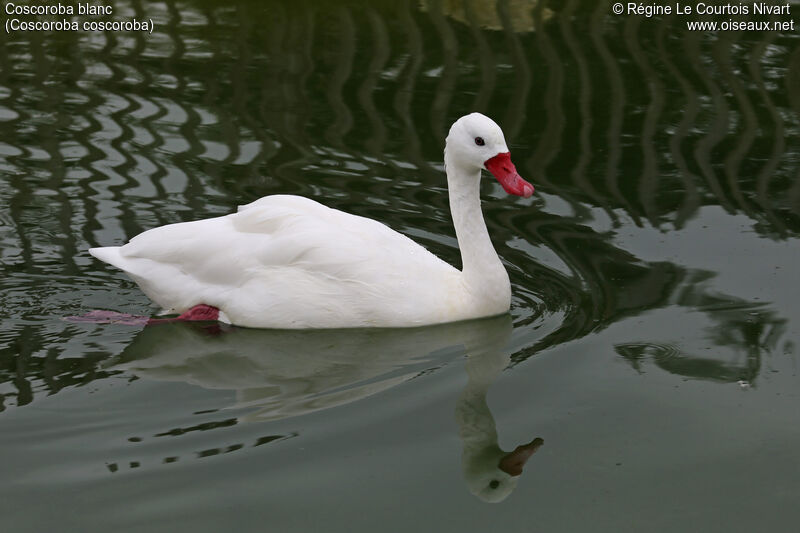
513	463
504	170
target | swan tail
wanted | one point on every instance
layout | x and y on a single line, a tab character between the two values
110	255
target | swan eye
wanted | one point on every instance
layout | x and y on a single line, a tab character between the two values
479	141
494	484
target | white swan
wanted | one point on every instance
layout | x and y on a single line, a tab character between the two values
290	262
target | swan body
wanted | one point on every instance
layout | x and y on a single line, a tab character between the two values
290	262
287	261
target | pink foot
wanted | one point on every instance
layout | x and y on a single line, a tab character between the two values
200	312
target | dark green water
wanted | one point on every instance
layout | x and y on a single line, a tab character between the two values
652	341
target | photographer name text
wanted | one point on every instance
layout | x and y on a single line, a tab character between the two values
701	8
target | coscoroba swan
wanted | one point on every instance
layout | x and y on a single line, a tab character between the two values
290	262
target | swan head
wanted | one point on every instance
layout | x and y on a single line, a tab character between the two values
476	142
492	474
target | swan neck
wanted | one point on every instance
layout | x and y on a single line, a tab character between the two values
477	252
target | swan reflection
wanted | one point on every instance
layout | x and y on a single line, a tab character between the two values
281	374
491	473
285	373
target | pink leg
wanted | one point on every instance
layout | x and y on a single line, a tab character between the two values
202	312
109	317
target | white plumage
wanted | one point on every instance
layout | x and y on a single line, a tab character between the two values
290	262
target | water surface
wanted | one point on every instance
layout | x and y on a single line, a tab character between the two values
652	340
